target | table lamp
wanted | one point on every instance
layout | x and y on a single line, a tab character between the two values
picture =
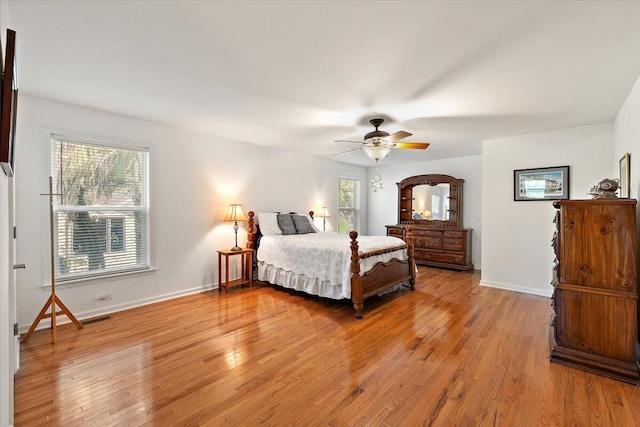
235	214
324	214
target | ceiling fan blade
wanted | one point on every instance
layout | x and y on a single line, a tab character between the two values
399	135
348	151
348	140
412	145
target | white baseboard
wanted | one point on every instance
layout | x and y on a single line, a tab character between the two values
46	323
516	288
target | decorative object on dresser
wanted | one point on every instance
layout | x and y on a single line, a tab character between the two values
432	204
605	189
550	183
625	164
235	214
595	287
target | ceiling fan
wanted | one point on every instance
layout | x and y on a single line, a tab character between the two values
378	143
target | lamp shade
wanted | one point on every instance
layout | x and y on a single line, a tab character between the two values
376	152
324	212
235	213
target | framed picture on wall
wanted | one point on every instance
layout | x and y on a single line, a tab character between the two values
625	163
551	183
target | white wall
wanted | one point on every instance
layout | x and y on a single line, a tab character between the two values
627	140
516	251
383	205
627	137
194	177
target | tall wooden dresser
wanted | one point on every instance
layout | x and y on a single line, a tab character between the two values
595	288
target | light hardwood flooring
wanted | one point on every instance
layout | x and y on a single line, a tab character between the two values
449	353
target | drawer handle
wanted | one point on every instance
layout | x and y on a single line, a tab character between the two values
456	259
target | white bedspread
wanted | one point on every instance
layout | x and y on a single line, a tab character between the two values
319	263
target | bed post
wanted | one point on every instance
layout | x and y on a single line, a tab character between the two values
251	235
412	261
357	291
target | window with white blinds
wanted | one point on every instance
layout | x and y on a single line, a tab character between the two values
348	205
102	211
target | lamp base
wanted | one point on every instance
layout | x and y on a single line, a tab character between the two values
236	248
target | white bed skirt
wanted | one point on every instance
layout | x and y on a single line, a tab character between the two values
312	286
300	282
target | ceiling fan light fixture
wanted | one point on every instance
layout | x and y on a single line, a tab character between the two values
377	140
377	152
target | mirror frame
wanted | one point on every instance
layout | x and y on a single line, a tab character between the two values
405	200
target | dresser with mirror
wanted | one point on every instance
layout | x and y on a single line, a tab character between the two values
432	204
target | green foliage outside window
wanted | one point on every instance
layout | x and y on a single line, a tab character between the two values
347	205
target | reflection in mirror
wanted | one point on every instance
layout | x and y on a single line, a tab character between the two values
431	202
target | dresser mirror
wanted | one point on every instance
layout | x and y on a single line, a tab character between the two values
431	202
433	199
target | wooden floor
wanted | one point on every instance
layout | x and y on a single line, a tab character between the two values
449	353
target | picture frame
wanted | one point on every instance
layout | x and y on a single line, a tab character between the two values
550	183
625	175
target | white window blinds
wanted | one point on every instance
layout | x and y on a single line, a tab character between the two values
102	213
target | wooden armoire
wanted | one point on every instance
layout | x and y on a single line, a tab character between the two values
595	288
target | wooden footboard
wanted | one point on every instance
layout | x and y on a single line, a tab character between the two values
383	275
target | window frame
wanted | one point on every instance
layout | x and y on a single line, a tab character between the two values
82	279
357	203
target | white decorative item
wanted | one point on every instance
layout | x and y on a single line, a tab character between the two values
376	182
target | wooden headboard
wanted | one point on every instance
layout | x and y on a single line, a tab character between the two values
253	231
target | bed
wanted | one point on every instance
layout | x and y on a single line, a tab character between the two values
329	265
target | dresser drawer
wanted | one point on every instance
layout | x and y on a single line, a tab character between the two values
421	242
456	245
439	257
453	234
395	232
449	258
433	242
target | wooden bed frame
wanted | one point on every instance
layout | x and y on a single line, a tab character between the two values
382	276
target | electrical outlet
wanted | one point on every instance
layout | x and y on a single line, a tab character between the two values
104	297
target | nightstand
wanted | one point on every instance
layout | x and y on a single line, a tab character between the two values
247	269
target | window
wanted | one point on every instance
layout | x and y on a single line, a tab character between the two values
348	205
435	205
102	213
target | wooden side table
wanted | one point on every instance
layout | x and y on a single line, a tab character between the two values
247	269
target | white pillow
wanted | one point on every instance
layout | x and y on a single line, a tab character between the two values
268	222
312	222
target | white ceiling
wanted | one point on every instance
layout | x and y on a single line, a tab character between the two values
299	75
